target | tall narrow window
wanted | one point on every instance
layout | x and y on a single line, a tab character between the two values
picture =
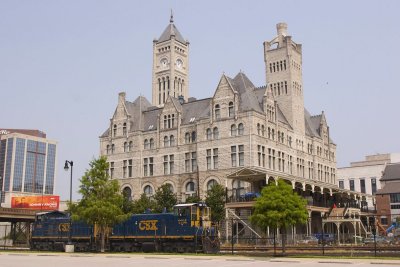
115	130
125	146
130	146
151	143
208	159
351	185
209	134
124	129
166	141
233	156
172	140
217	111
215	158
373	185
216	133
240	129
362	185
241	155
111	170
231	111
130	168
233	130
124	168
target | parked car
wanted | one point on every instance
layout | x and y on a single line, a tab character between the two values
379	240
308	240
327	239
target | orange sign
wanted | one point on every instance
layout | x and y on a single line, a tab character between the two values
36	202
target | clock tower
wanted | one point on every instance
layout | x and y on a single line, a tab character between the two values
170	66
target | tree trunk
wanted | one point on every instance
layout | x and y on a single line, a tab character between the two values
103	238
283	240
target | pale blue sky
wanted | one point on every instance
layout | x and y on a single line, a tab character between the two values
62	64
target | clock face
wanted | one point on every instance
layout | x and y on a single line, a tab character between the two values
163	62
179	63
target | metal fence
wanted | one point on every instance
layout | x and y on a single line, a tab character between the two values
239	236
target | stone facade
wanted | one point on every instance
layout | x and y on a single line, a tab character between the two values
192	144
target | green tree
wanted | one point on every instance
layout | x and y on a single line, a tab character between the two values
127	203
143	204
279	207
165	198
101	202
193	199
215	199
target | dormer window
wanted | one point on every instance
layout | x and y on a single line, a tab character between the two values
151	127
192	119
169	121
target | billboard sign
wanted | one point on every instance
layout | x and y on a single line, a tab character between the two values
36	202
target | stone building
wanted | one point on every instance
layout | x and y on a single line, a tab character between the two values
242	137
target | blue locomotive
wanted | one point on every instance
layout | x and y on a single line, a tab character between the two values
187	229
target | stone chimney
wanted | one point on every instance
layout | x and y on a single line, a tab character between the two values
281	29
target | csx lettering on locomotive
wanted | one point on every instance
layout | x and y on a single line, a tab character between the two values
63	227
148	225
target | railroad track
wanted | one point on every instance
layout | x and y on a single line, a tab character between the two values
311	248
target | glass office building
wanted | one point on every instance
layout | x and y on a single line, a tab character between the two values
27	164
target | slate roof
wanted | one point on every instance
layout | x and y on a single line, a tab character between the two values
390	188
168	32
250	98
391	172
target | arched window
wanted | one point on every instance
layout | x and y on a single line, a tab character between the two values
166	141
263	130
130	146
112	148
216	133
209	134
240	129
115	130
233	130
151	143
190	187
217	112
146	144
187	138
170	186
108	149
273	134
194	136
127	193
231	111
211	183
148	190
124	129
172	140
258	129
125	146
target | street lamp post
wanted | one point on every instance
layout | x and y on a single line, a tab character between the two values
66	167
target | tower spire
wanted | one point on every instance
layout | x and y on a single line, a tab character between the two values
171	20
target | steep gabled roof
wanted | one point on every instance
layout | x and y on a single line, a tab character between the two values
170	31
281	117
247	97
391	172
311	124
198	109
